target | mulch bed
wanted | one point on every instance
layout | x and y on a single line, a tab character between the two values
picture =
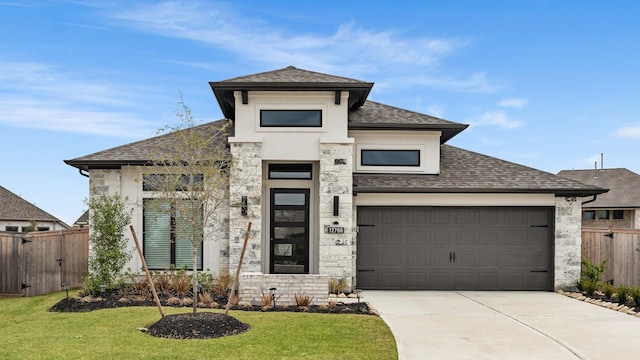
203	325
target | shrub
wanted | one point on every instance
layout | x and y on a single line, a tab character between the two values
303	299
109	252
587	286
623	294
336	286
162	281
591	271
181	282
266	299
205	297
635	295
222	284
608	290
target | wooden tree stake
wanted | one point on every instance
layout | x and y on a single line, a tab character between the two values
146	271
232	295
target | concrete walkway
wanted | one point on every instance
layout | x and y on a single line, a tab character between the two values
504	325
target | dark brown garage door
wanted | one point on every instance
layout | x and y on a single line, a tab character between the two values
454	248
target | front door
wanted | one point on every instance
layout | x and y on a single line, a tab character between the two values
289	231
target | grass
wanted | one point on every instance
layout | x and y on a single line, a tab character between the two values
29	331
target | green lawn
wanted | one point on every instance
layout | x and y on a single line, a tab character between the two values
29	331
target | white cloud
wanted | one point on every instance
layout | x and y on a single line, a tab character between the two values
36	95
496	118
349	51
436	110
631	132
513	103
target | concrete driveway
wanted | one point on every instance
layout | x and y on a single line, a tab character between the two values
504	325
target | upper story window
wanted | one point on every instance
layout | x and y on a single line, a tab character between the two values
618	214
379	157
291	118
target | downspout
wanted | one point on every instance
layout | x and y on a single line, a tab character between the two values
83	174
590	201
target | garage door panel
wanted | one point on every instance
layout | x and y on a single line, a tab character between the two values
417	258
391	237
448	248
392	280
392	259
416	280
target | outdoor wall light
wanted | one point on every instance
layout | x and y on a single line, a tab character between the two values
243	206
336	205
273	295
358	291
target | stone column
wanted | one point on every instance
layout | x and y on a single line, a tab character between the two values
568	241
245	180
336	250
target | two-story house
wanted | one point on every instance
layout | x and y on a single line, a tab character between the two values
338	186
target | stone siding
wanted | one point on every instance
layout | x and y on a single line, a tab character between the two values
337	251
105	181
253	285
568	240
246	180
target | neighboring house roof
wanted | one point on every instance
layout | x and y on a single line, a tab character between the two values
376	116
83	219
139	152
13	207
623	185
289	78
463	171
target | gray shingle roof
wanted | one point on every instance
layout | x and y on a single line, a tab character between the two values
139	152
291	74
623	185
463	171
374	115
13	207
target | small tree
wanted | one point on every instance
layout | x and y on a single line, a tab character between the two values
109	216
190	178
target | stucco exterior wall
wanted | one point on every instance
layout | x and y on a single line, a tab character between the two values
568	240
428	142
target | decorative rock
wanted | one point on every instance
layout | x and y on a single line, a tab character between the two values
353	296
143	329
342	295
333	295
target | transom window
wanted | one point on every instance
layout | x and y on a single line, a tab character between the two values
11	228
373	157
291	118
589	215
603	214
164	182
618	214
290	171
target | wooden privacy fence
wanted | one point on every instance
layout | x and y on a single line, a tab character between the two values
618	247
41	262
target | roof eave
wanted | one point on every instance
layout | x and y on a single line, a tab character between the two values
448	131
555	192
104	164
223	91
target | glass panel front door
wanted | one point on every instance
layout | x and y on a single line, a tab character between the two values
289	231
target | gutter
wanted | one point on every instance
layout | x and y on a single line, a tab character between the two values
595	196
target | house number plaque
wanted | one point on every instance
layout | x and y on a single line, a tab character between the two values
334	229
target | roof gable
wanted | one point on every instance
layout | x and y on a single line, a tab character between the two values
623	185
13	207
463	171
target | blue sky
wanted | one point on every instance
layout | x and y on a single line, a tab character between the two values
547	84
